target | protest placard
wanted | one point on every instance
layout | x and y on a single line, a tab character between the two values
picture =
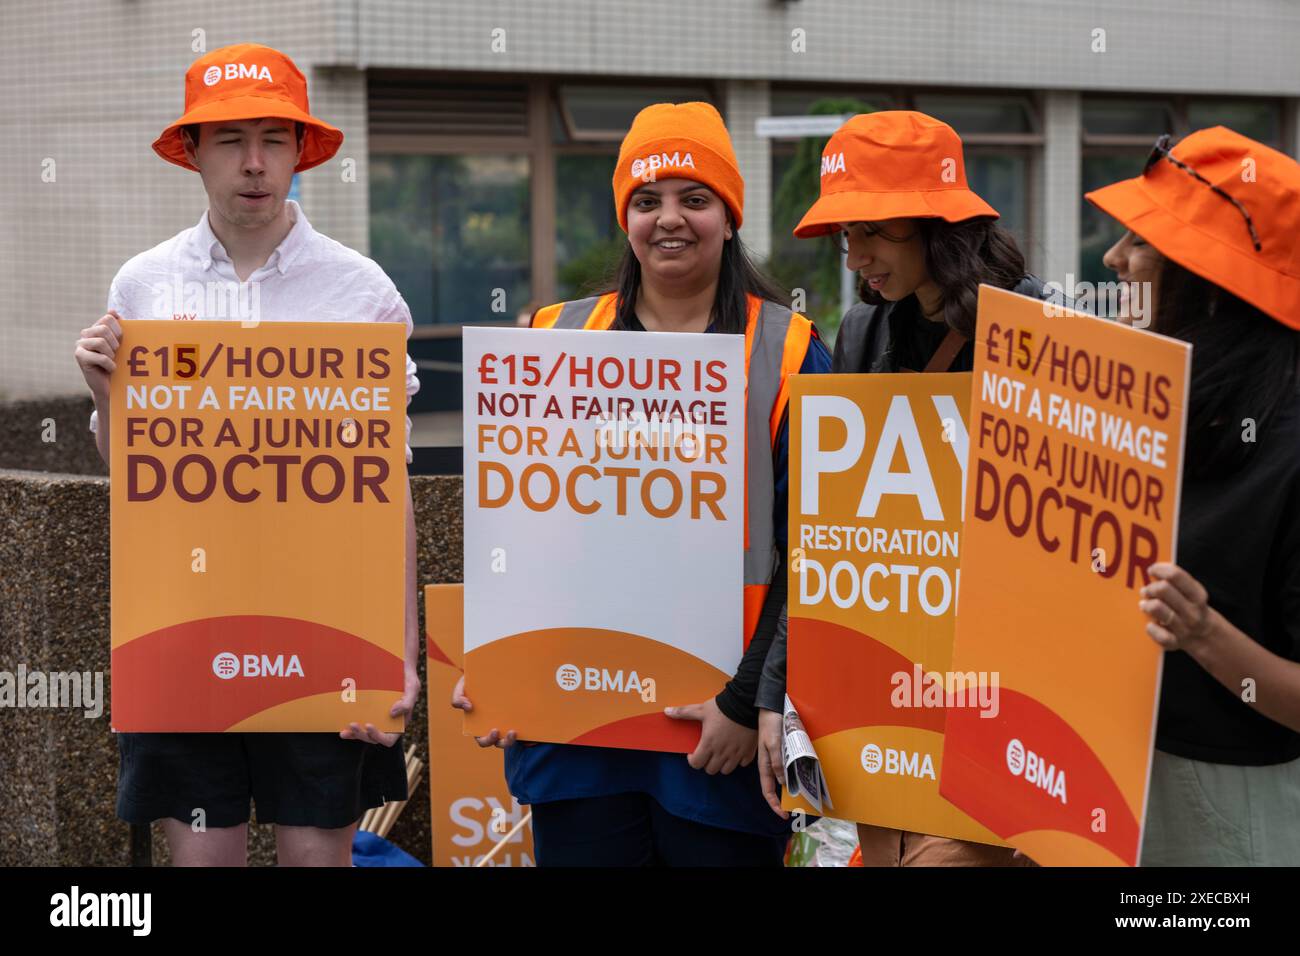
1073	486
604	497
471	807
258	501
877	475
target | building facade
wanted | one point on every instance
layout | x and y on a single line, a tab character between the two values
481	137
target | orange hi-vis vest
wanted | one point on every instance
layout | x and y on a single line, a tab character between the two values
776	341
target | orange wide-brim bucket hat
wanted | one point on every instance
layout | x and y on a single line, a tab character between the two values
895	164
243	82
1226	208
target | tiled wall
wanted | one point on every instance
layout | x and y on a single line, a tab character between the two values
1206	46
89	84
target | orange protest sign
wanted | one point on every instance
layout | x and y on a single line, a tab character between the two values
604	531
877	474
1072	493
258	505
471	808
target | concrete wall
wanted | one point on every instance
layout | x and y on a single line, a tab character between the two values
1202	46
58	768
89	84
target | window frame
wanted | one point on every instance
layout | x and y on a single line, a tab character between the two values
1177	105
1028	146
541	150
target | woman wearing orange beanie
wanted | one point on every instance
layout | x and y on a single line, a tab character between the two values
680	198
894	197
1213	231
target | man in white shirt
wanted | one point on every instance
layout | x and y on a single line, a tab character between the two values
254	256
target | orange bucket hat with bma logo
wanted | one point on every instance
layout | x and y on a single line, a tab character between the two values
248	81
895	164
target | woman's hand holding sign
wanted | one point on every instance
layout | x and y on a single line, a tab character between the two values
724	744
1182	620
1179	609
771	770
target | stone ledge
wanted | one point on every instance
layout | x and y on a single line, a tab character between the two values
58	769
22	430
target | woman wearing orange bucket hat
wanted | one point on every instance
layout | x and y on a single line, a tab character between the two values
894	196
680	197
1214	225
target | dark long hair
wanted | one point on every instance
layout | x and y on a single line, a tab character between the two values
1245	365
737	279
958	257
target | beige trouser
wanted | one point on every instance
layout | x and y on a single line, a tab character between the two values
1211	814
882	846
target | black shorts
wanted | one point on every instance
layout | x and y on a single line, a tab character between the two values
301	780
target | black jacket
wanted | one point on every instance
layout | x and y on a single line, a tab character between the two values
867	342
868	334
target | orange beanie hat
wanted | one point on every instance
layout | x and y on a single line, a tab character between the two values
678	141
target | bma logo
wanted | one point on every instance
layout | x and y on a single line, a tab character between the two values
872	759
568	677
902	763
1035	769
226	665
236	71
834	163
660	161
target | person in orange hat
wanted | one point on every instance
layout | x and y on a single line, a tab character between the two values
253	255
679	196
894	197
1212	234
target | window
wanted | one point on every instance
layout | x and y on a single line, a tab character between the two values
452	232
1117	138
588	125
1111	120
588	240
998	133
1097	231
976	116
1118	134
1259	121
812	265
604	113
489	200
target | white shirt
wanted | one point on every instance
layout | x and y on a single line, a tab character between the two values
308	278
